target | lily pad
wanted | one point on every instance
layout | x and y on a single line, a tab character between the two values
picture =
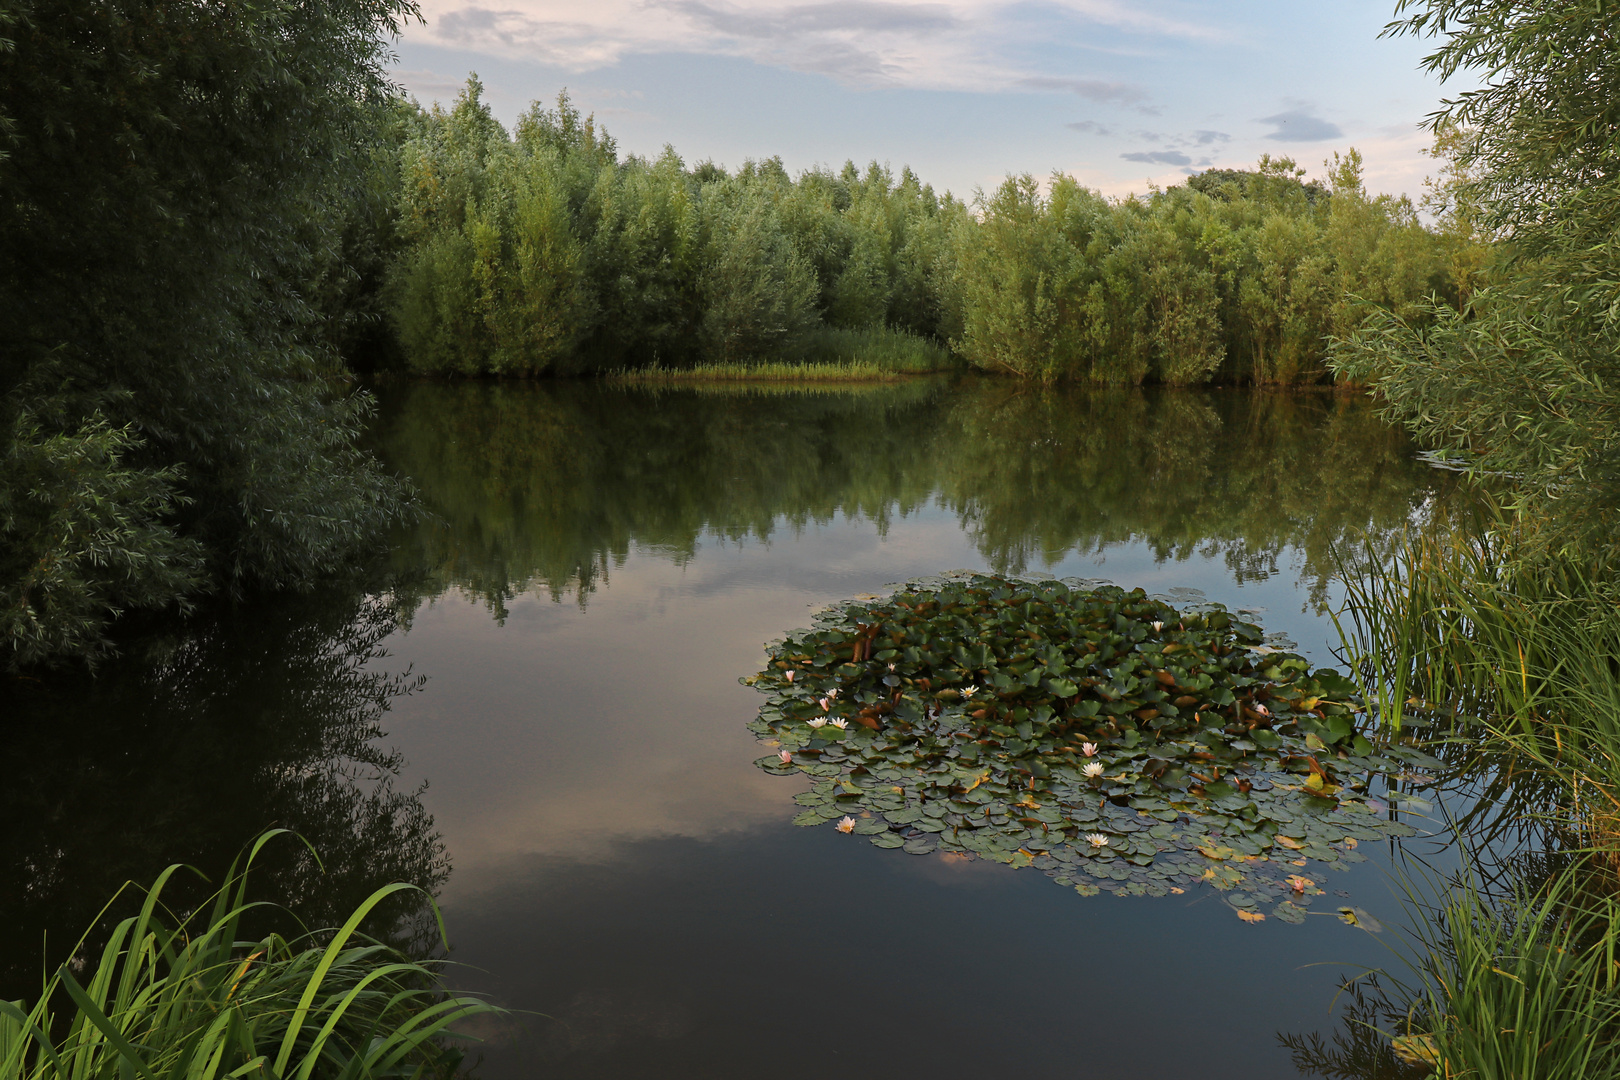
1075	724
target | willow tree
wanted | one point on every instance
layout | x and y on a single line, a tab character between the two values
172	418
1521	382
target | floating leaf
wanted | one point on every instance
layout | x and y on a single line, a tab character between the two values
1251	916
1289	913
1074	725
1355	916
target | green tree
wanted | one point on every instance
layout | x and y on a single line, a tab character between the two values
176	176
1522	382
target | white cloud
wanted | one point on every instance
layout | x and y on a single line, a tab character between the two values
925	44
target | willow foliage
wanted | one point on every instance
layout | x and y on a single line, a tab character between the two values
1521	381
172	418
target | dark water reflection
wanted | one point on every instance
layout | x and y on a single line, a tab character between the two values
552	485
601	567
194	742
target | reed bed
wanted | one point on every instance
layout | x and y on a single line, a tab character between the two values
188	999
854	371
1518	986
1510	657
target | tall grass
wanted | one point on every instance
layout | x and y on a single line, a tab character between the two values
193	1001
1514	655
1517	655
1518	985
881	346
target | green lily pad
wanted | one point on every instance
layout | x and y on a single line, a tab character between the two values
1086	731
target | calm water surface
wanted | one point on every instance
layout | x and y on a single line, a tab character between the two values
559	694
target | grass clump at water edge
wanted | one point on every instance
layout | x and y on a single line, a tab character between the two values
193	1000
832	355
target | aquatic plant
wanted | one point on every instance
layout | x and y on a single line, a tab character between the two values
977	703
194	1000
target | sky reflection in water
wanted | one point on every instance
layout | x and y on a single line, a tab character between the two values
605	566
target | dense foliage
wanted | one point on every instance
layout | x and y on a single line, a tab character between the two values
542	250
1521	381
172	417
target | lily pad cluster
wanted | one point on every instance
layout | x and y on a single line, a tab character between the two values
1108	738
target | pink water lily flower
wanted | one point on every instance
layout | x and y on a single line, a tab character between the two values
846	825
787	758
826	704
788	675
832	695
1089	749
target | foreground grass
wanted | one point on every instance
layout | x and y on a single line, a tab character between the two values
195	1002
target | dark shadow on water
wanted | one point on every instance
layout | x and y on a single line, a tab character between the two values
190	745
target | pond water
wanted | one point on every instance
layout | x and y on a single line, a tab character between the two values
535	708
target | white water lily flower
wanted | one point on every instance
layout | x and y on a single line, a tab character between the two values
839	722
969	690
1089	749
846	825
1097	839
1093	769
817	722
1157	627
787	758
832	695
891	667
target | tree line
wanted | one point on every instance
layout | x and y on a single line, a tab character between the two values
542	250
214	213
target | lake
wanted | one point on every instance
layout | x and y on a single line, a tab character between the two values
532	704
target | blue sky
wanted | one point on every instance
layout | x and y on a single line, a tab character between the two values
1117	94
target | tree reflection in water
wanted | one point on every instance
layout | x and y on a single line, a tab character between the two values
190	745
550	484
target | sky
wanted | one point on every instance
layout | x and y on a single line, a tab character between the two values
1121	95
